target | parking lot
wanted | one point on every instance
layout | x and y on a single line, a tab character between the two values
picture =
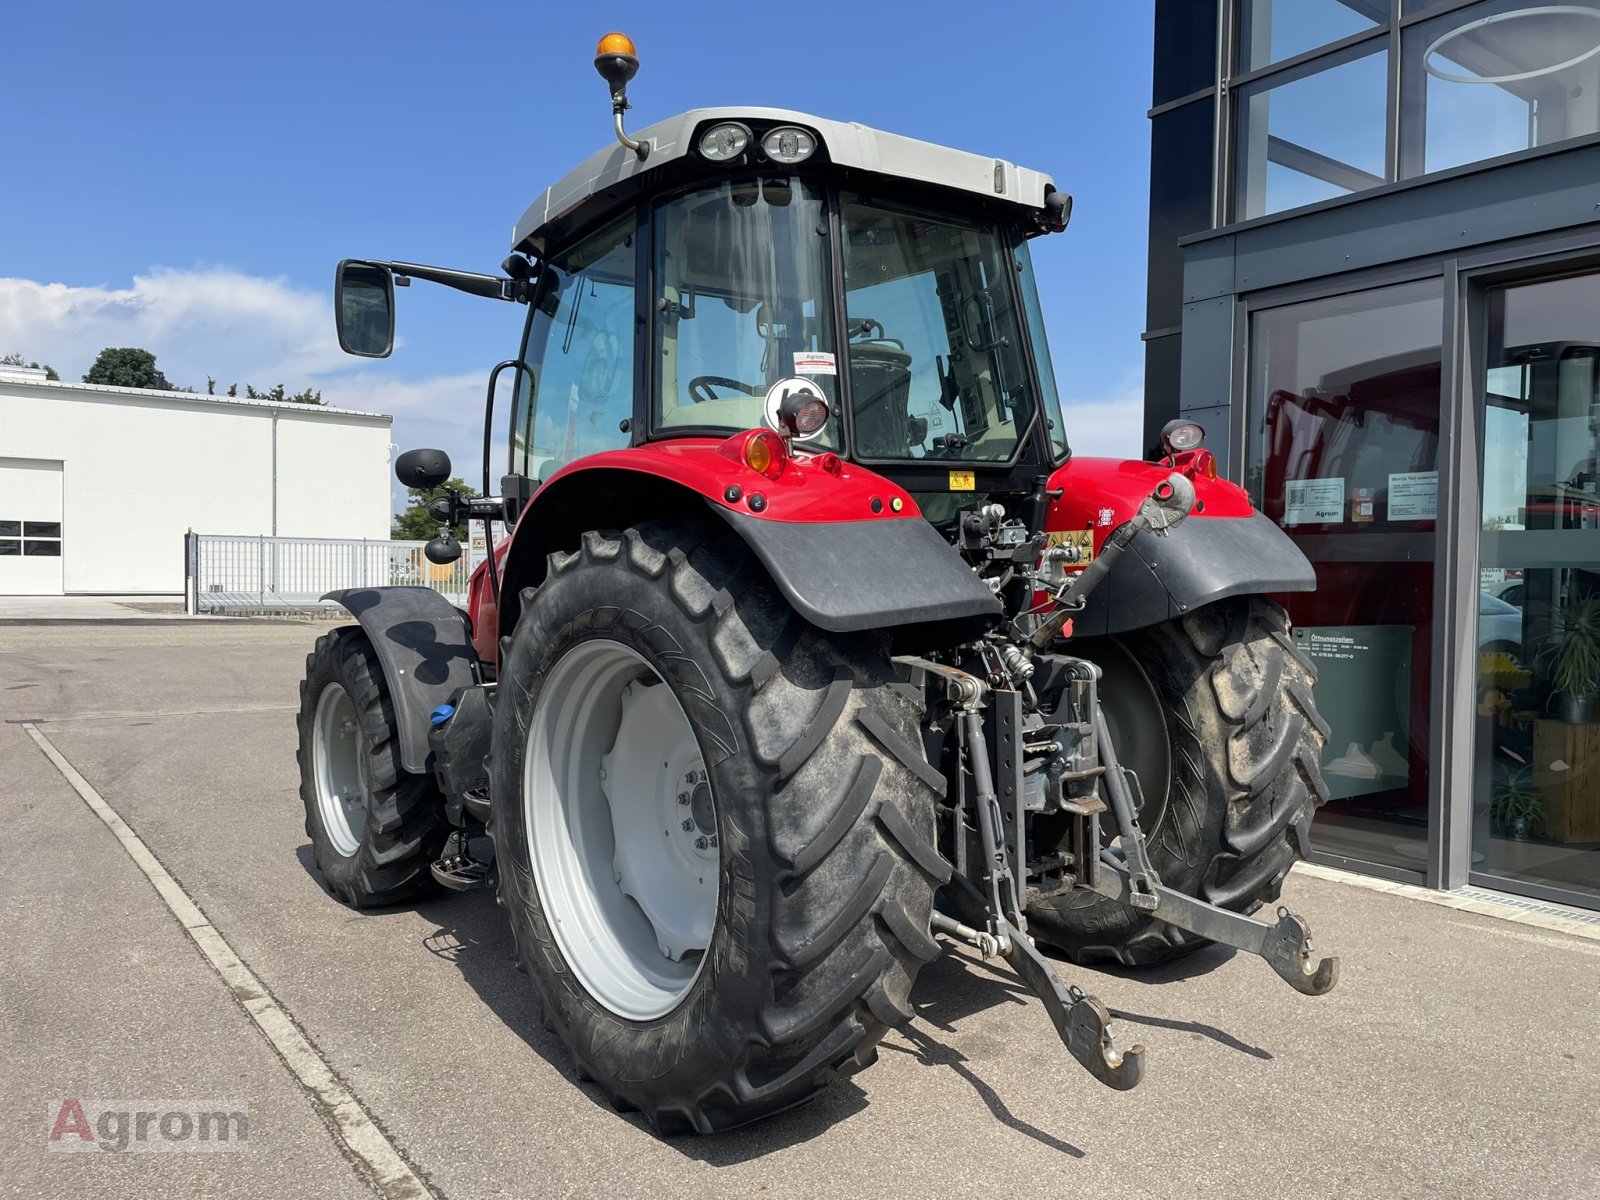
1459	1056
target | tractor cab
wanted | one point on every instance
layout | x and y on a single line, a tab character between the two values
758	254
686	281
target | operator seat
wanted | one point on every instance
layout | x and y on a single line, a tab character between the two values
880	379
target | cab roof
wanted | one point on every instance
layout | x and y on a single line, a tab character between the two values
845	144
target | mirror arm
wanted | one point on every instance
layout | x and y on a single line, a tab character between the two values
494	287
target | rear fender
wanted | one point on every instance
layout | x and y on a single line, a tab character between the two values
1224	548
832	542
422	641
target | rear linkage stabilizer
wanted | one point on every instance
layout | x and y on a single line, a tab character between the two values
1125	876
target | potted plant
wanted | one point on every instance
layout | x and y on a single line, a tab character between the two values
1572	650
1516	805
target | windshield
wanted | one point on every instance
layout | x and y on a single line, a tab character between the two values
937	365
742	304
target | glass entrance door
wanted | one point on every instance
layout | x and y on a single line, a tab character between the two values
1343	454
1536	778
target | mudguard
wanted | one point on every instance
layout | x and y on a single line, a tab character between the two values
421	640
1202	560
847	576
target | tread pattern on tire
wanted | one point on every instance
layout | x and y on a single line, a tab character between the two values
1246	743
405	826
848	827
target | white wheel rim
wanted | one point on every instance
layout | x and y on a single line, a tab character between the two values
621	829
338	751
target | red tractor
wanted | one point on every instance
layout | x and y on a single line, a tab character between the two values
811	640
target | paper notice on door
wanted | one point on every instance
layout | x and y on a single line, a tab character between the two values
1313	502
1414	496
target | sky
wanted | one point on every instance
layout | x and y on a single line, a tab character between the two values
184	177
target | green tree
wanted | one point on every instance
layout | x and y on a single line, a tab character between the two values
127	366
415	525
281	395
16	360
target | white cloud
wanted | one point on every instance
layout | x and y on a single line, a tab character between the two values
1111	424
240	328
197	322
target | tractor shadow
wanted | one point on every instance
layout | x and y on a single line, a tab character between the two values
473	934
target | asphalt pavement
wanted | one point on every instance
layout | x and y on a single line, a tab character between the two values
1459	1056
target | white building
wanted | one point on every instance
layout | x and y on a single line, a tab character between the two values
98	485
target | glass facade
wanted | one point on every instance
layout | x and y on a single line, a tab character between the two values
1536	777
1321	111
1495	78
1409	386
1312	135
1343	454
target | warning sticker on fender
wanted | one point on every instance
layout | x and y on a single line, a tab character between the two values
814	362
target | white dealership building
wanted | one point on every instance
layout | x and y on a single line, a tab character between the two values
98	485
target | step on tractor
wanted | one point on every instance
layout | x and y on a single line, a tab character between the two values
812	647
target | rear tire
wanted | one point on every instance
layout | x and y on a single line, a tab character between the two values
824	816
374	827
1244	748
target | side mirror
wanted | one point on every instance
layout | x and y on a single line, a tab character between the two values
363	308
423	469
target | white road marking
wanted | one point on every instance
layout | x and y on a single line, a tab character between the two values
143	714
374	1153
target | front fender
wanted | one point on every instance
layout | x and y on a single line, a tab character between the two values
421	640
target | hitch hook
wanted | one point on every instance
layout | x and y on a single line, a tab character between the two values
1288	951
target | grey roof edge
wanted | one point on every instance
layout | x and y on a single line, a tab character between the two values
312	410
849	144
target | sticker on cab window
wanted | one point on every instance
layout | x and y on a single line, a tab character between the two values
814	362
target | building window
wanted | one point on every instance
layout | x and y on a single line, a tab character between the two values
1343	454
1314	132
1494	78
1273	30
1536	786
34	539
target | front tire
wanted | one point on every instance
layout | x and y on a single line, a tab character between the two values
1218	704
374	826
819	794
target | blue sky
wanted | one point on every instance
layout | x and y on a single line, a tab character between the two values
184	177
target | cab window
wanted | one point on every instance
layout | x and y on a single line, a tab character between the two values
578	390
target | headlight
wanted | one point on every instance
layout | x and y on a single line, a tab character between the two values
787	144
724	142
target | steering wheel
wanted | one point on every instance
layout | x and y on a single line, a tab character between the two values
700	387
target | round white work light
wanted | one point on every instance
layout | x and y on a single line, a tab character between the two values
724	142
1180	435
787	144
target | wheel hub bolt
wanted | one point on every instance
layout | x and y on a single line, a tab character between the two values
700	843
688	826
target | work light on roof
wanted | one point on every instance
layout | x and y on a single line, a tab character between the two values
789	144
724	141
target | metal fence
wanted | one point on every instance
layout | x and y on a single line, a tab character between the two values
241	575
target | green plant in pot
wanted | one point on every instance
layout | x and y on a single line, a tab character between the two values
1516	805
1572	651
